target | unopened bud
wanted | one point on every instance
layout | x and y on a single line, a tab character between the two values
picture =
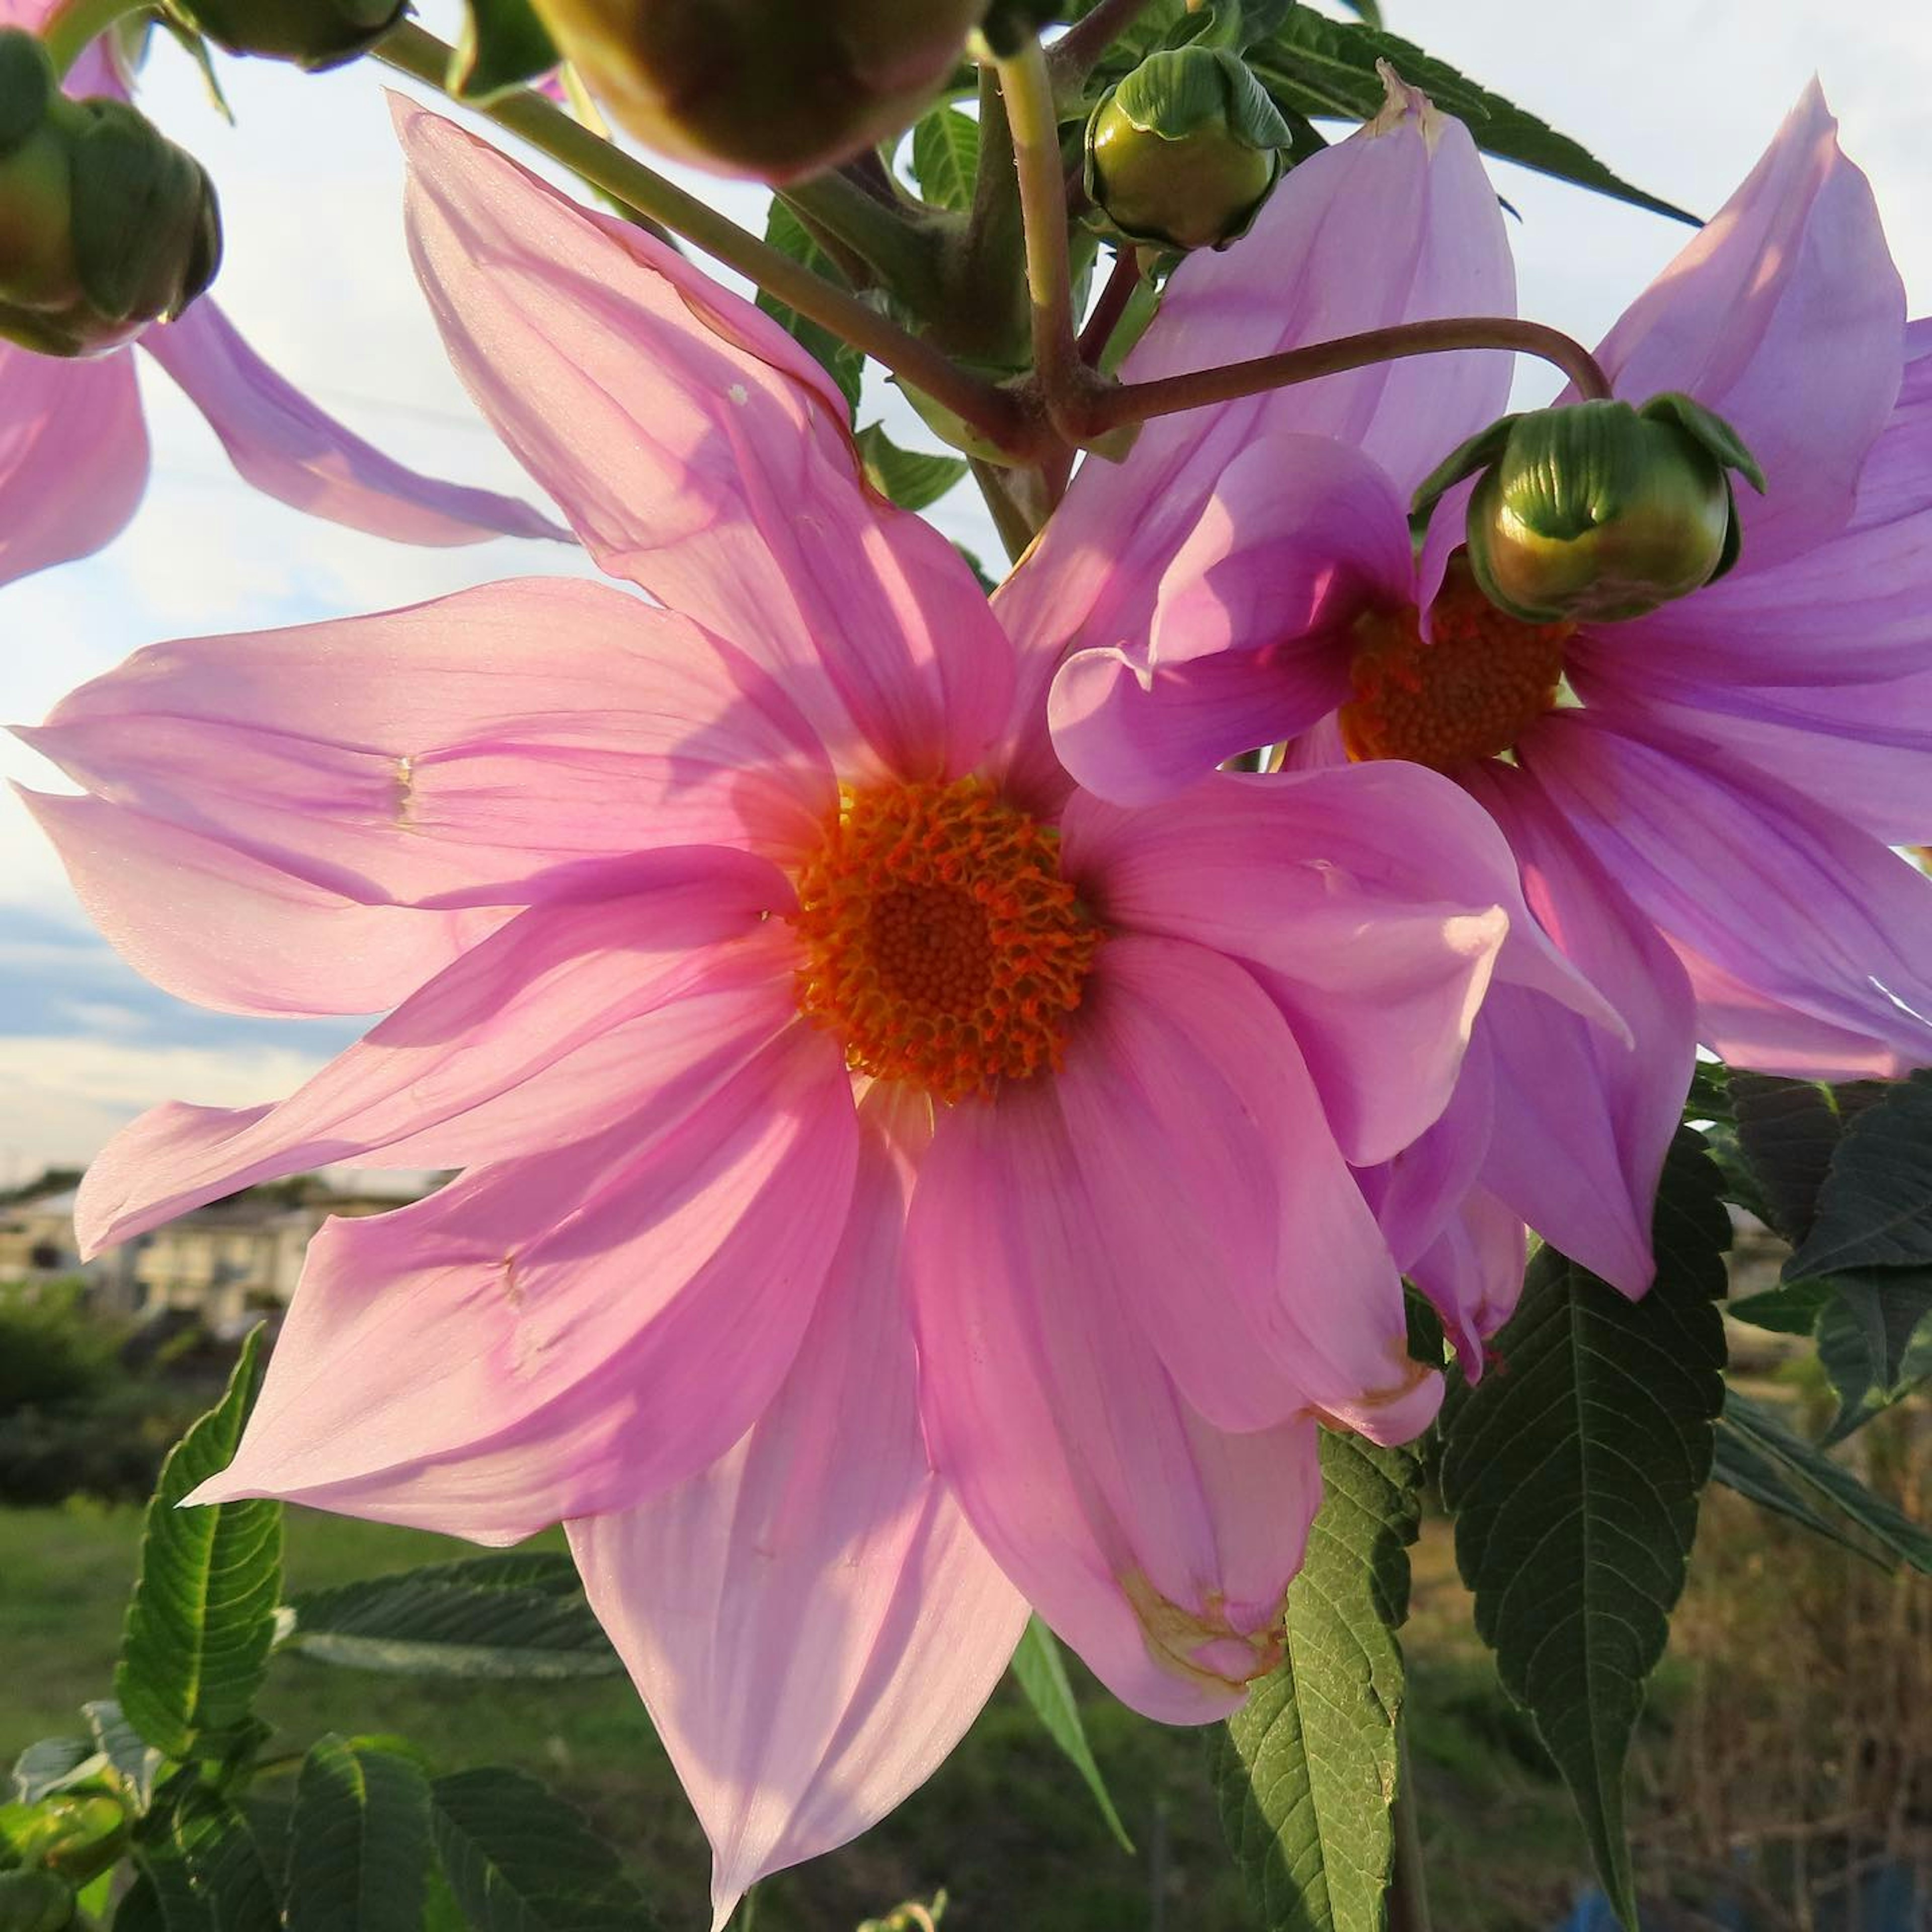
313	34
1597	511
105	225
1182	153
774	88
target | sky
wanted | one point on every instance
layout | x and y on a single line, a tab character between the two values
1679	95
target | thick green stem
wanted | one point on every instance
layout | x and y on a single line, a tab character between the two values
1016	528
1034	124
895	252
75	25
1101	409
995	415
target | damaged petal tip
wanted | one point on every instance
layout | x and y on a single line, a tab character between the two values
1203	1646
1403	102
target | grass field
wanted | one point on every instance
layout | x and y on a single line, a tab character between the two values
1006	1827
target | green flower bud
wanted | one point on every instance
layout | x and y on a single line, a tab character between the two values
1182	153
35	1902
313	34
1599	512
105	225
82	1835
775	88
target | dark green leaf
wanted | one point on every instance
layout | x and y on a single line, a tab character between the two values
1573	1470
203	1618
1762	1458
34	1901
1306	1772
1875	1204
1314	65
519	1859
359	1843
1788	1131
946	157
912	479
502	45
845	363
225	1864
1875	1340
137	1764
1791	1309
1041	1673
47	1765
523	1616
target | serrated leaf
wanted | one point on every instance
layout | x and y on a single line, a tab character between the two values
1760	1457
137	1764
1788	1130
1875	1204
1041	1673
226	1867
45	1767
946	157
1314	65
358	1841
1573	1472
1874	1340
510	1616
502	45
1791	1309
1306	1772
520	1859
914	479
845	364
202	1617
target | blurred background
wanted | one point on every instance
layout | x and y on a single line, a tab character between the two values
1784	1778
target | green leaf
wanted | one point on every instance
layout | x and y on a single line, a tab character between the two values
1788	1131
1875	1204
1042	1674
1791	1309
1875	1340
359	1840
1306	1772
946	157
520	1859
1573	1470
518	1616
137	1764
45	1767
1762	1458
912	479
203	1618
502	44
1316	66
845	364
201	1871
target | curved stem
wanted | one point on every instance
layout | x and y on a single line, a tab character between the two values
1135	402
1074	55
1035	127
1112	306
409	50
75	25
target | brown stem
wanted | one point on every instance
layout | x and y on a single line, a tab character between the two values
1103	409
1112	306
1074	55
1407	1898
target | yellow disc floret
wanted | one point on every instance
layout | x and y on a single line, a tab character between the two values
942	944
1467	691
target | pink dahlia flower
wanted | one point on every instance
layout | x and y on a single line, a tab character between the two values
73	444
897	1188
1701	801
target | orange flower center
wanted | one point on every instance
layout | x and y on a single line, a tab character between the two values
1468	691
942	944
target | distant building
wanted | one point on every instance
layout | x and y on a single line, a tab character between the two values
226	1264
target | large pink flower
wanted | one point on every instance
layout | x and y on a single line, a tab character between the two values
1705	833
897	1188
73	444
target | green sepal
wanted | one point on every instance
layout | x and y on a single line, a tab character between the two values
502	45
26	87
1710	432
1477	453
1179	92
314	35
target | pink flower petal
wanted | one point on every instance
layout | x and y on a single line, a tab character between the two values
1473	1275
491	747
73	458
698	451
1156	1545
1399	224
1416	1194
1799	907
811	1621
290	449
521	1043
1786	316
567	1334
209	924
1746	1029
1248	643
